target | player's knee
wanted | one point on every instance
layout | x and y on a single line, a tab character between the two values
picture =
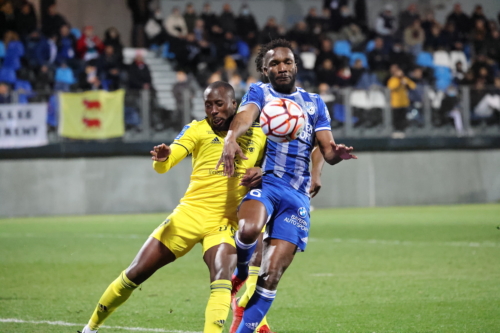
248	233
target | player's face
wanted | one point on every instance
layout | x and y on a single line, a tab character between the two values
280	68
220	108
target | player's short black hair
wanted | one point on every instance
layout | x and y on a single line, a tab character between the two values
222	84
280	42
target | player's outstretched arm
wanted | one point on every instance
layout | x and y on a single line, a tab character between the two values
332	152
240	124
160	153
317	165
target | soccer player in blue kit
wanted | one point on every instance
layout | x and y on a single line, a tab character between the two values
282	201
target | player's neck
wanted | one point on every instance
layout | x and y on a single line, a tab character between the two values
285	91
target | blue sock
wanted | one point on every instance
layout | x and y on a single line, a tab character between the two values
256	309
244	252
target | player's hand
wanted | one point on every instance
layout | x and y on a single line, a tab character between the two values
315	186
160	153
252	177
342	151
231	148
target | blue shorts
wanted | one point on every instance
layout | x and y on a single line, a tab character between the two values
288	210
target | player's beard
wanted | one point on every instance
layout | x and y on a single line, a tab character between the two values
284	88
222	127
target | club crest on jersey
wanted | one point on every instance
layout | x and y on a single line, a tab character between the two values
302	212
184	129
310	107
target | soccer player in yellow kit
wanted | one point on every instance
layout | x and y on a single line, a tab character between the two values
207	213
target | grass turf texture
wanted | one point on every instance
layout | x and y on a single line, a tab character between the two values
405	269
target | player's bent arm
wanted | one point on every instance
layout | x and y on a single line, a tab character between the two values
178	153
317	162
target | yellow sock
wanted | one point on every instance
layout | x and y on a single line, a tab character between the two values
116	294
218	306
253	275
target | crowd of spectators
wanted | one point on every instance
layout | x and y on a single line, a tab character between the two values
55	56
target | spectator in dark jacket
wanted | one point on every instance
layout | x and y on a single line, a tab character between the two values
326	52
247	26
300	34
227	20
313	20
334	6
66	46
139	76
492	46
89	78
398	56
407	17
190	17
53	21
326	73
4	93
112	37
7	18
210	19
26	20
378	59
460	19
478	15
109	66
270	31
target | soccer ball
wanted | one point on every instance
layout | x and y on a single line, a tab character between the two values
282	120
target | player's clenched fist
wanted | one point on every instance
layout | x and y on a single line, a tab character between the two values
160	153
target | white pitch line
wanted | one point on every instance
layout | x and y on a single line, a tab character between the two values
62	323
407	243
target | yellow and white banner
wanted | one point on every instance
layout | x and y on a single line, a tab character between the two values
94	114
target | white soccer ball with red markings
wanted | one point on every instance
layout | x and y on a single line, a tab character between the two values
282	120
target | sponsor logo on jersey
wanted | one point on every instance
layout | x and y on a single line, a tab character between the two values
216	140
184	129
302	212
310	108
297	222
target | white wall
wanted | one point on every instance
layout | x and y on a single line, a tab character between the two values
130	185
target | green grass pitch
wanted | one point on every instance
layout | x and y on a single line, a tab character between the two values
400	269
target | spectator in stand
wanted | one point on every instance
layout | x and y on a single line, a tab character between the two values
325	20
478	36
378	59
334	7
247	26
227	20
460	20
46	51
300	34
44	79
181	87
458	73
313	21
89	46
344	77
492	46
66	47
89	78
469	79
385	26
485	75
140	16
109	67
326	52
112	37
449	38
414	38
407	17
154	29
190	17
139	76
355	36
399	85
433	41
5	93
26	20
199	30
209	18
478	15
7	18
357	71
326	73
481	60
401	58
175	24
345	18
53	21
270	31
427	23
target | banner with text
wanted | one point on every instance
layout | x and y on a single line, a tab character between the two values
23	125
91	114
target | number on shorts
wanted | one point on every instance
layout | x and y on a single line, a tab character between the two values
256	193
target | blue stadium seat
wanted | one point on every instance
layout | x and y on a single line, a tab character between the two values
24	89
425	59
443	84
358	55
166	51
441	72
2	50
370	46
342	48
64	75
76	32
7	75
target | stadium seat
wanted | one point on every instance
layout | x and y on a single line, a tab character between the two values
308	60
65	75
456	56
24	90
370	46
166	51
441	72
442	58
243	49
377	99
359	99
442	84
358	55
424	59
7	75
76	32
342	48
2	50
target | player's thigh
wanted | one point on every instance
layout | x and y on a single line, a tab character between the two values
180	232
278	254
253	214
219	250
152	256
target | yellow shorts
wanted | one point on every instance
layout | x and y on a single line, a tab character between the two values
182	230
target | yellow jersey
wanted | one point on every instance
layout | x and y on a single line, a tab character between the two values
209	191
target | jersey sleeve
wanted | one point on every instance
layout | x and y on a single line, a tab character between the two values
183	145
324	120
254	95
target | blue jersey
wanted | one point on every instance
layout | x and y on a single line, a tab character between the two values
290	160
